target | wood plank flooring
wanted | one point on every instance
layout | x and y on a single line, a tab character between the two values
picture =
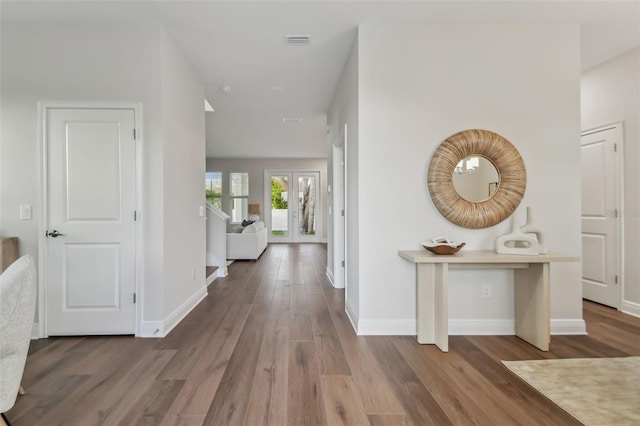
272	345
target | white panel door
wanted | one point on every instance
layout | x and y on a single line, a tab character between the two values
599	217
91	160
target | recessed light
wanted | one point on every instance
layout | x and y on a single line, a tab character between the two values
226	89
292	119
277	88
297	39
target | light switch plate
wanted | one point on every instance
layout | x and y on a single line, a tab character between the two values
25	211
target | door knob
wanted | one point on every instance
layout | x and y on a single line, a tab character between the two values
53	234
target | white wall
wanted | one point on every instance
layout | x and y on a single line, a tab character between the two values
183	170
256	167
344	110
519	81
98	62
610	93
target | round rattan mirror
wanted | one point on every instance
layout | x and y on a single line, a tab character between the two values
504	197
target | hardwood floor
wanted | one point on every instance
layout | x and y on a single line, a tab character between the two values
272	345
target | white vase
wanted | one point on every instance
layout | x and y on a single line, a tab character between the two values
516	242
530	228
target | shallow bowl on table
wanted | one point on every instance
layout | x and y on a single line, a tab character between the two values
443	248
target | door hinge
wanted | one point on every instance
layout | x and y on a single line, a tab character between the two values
615	212
616	279
615	147
134	298
134	134
135	215
342	263
342	212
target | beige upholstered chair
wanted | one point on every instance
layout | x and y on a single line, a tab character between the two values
17	309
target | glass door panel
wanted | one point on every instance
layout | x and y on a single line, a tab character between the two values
306	205
279	225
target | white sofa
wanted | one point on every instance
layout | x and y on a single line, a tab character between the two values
248	244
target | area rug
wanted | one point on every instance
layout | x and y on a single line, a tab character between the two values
596	391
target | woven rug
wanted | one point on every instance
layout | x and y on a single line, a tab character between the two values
596	391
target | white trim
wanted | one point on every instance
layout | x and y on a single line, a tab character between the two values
213	209
183	310
43	106
482	327
222	272
152	329
631	308
162	328
404	327
329	275
345	206
463	327
568	327
140	252
352	318
35	331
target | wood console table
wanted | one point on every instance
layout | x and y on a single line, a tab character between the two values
531	291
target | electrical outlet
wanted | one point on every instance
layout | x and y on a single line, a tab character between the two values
486	291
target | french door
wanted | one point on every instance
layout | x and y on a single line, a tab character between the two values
294	204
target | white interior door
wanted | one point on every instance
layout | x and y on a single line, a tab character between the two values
295	206
600	201
90	244
338	217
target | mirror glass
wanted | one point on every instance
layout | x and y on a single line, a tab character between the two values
475	178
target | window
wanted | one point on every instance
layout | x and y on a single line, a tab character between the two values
239	192
213	188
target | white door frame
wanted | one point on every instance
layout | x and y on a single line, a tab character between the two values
345	181
620	251
40	330
337	216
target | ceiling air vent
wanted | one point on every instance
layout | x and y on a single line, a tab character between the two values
297	39
292	119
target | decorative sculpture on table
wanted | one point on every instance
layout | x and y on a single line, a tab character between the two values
530	228
524	240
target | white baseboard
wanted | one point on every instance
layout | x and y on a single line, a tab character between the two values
462	327
568	327
329	274
152	329
162	328
631	308
222	272
404	327
333	281
353	319
183	310
482	327
35	331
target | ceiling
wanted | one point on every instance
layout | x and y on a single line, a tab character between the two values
241	44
